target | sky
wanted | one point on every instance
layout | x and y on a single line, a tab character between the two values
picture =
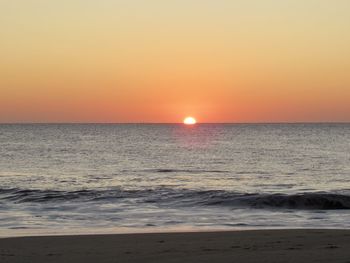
159	61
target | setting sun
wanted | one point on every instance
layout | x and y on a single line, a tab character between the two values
190	121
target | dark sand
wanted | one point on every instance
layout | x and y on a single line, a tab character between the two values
237	246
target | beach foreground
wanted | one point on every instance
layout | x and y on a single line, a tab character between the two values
233	246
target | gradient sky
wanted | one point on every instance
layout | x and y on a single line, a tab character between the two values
159	61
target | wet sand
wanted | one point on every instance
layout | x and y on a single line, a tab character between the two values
233	246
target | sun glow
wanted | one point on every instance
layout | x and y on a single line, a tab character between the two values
190	121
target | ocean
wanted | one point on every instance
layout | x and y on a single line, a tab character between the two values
114	178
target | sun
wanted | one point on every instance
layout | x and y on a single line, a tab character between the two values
190	121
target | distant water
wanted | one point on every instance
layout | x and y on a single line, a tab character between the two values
96	178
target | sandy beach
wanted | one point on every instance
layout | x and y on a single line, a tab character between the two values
233	246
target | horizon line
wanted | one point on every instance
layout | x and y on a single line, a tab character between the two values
169	123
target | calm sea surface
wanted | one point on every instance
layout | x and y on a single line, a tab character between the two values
115	178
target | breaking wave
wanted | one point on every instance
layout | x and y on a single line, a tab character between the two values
184	197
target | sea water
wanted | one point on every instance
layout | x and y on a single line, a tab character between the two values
69	178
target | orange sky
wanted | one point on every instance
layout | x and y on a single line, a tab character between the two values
159	61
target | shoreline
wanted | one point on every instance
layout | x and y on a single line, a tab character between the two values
272	245
22	233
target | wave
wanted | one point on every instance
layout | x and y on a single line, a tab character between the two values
184	198
36	195
190	171
304	201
